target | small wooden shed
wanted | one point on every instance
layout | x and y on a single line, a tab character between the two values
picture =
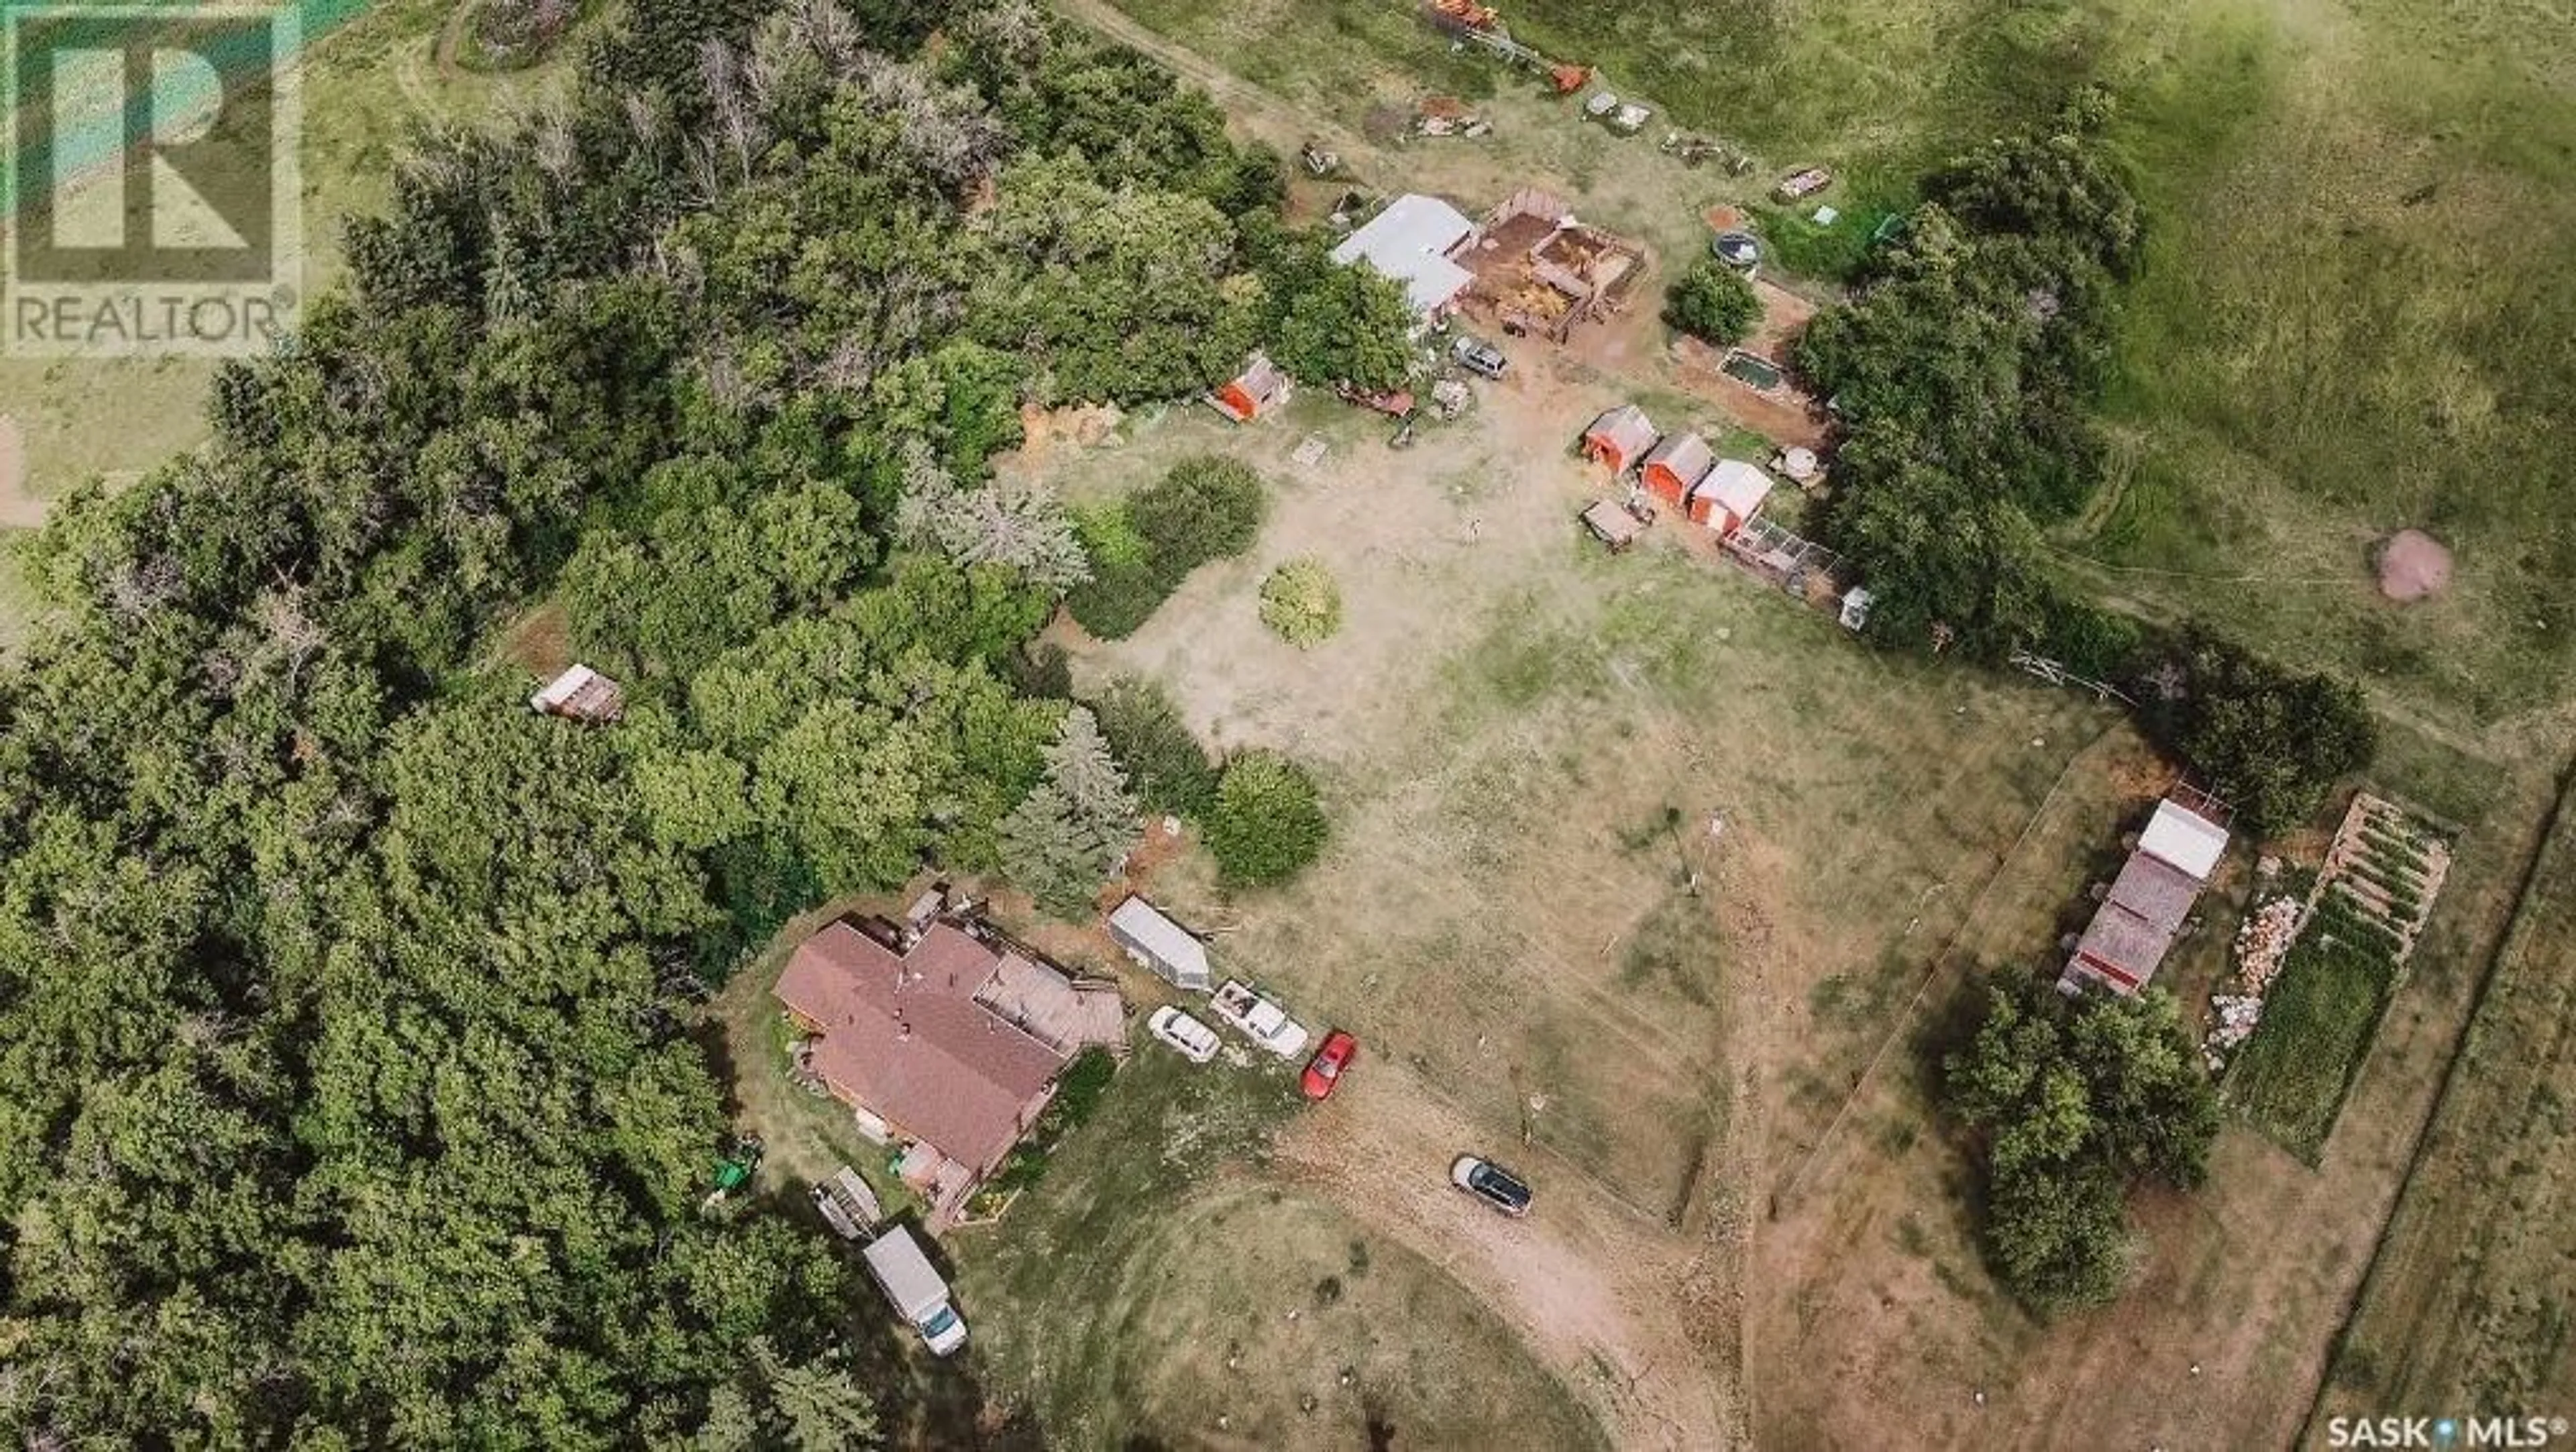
1676	466
1728	495
1619	438
1259	388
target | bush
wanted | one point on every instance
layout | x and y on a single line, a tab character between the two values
1301	601
2271	741
1206	508
1167	768
1117	600
1713	302
2074	1101
1267	825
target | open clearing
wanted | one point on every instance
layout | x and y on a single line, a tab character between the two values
1525	744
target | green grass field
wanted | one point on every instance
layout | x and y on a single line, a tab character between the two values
2318	1021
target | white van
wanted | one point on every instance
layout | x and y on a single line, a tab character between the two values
913	1285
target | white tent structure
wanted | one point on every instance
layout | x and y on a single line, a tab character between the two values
2182	838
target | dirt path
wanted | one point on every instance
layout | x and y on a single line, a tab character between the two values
1622	1308
451	37
1267	115
18	508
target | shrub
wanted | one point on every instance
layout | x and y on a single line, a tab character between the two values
1206	508
1267	824
1301	601
1166	766
1117	600
1714	302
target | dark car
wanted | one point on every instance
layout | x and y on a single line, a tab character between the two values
1325	1069
1492	1184
1479	356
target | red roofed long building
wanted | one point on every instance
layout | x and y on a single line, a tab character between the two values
953	1043
2148	902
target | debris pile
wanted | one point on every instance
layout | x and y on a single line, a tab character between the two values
2261	943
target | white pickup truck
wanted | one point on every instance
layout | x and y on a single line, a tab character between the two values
1258	1019
914	1285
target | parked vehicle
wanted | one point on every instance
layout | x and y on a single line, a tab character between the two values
1195	1040
847	1204
1257	1018
1492	1184
1479	356
914	1287
1324	1071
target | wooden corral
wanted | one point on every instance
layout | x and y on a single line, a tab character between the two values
1540	271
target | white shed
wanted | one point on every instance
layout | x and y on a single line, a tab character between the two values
2180	837
1413	242
1161	945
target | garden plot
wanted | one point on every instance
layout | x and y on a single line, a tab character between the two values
2312	982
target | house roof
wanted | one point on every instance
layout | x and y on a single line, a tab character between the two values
2155	891
581	693
2125	943
1261	378
1410	242
2184	838
1738	487
1145	926
1627	426
1685	456
906	1037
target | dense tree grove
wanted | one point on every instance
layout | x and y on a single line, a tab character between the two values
1141	549
2074	1101
1963	373
346	1099
2272	741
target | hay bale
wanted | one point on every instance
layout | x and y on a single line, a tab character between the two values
2413	566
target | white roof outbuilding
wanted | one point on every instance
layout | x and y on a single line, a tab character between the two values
2183	838
1411	242
1162	945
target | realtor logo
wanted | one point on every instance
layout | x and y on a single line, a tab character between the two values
152	201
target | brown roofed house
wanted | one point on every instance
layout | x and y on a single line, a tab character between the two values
954	1043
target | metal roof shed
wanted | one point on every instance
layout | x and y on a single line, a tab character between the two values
1411	242
1161	945
2183	838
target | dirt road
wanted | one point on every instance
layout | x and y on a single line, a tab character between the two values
1629	1313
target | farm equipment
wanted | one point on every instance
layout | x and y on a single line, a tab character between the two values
1568	79
733	1172
1448	116
1464	14
1394	402
1694	149
1803	183
1318	161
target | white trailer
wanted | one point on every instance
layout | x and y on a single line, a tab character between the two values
914	1287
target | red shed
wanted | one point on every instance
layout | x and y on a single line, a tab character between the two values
1676	466
1728	495
1260	387
1619	438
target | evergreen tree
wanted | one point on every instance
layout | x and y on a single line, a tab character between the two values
1076	825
